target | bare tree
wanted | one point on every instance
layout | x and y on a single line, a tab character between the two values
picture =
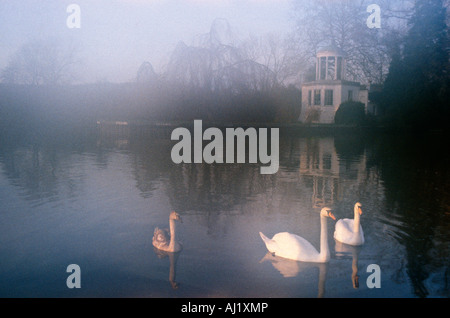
215	62
342	23
41	62
146	73
280	54
245	75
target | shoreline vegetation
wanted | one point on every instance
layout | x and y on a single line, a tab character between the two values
31	111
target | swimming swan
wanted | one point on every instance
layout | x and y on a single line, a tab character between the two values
165	241
349	231
294	247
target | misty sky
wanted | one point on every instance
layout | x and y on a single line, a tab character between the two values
116	36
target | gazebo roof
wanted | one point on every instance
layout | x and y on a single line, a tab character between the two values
334	50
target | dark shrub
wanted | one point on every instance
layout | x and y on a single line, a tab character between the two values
350	113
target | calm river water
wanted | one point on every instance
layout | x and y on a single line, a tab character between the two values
95	200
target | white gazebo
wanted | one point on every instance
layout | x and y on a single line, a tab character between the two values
322	97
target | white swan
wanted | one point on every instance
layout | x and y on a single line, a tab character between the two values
165	241
349	231
294	247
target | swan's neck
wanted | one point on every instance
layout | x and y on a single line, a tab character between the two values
172	233
324	251
356	221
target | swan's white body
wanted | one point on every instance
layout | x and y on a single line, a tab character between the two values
292	246
165	240
349	231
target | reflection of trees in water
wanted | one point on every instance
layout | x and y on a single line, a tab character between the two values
190	187
211	193
211	187
150	160
416	178
148	149
32	169
350	146
43	170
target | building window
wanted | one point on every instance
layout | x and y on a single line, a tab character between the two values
331	68
328	97
350	95
309	98
339	68
326	160
317	97
323	68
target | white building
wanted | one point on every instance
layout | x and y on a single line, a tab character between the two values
322	97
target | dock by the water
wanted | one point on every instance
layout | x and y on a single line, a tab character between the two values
126	129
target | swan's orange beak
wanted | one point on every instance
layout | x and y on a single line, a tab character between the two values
360	210
331	215
177	217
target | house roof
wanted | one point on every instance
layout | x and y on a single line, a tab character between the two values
332	82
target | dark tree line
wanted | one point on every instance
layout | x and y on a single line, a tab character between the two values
416	91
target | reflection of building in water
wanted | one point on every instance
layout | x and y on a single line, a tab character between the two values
319	162
321	165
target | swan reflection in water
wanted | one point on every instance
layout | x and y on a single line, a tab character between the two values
165	243
291	268
173	258
346	251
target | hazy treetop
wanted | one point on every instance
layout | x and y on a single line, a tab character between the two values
116	37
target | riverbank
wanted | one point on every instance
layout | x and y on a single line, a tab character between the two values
295	127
